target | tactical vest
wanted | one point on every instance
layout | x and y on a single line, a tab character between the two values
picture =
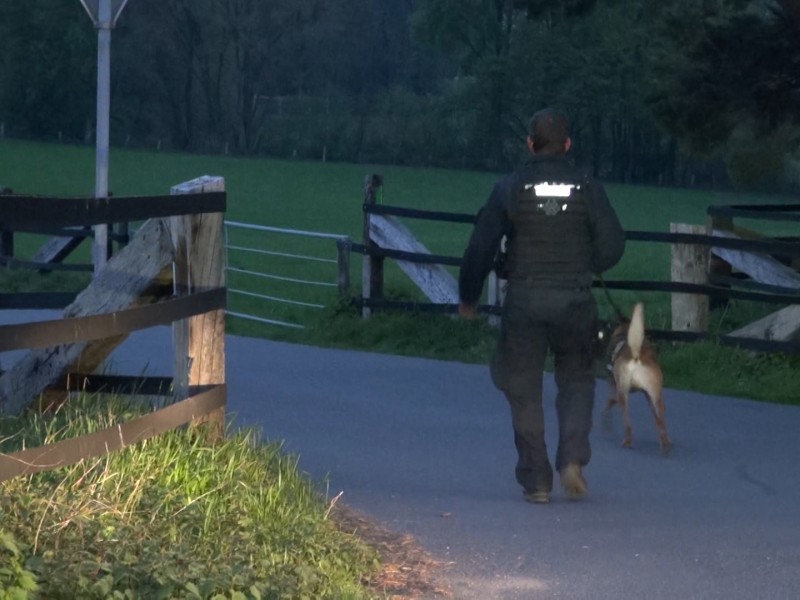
551	241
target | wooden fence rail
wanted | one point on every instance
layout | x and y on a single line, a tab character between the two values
171	272
693	285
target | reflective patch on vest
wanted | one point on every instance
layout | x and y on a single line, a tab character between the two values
553	190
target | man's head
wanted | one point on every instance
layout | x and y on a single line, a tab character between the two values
549	132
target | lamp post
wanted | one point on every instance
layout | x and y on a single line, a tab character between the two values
104	15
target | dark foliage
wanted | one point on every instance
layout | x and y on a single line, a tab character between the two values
726	79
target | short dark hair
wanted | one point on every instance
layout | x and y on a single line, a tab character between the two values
549	131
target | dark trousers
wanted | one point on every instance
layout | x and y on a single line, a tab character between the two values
535	320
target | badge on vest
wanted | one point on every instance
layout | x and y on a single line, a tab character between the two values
552	191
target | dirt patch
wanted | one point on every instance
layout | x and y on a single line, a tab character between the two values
407	569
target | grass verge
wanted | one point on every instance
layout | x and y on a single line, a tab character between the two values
174	518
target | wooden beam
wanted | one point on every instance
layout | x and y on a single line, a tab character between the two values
783	326
435	281
134	277
758	266
56	249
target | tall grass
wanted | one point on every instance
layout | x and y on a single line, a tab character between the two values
173	518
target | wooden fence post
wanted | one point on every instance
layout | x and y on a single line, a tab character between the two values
123	234
717	265
199	341
343	249
372	266
689	264
6	237
7	243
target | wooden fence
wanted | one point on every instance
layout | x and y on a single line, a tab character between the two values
170	272
384	236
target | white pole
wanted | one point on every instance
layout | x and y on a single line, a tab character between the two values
100	249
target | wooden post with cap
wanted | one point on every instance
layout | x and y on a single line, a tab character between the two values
689	264
6	237
199	341
372	266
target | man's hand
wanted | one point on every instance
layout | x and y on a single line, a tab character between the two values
467	311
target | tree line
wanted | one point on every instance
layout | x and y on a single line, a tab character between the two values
673	92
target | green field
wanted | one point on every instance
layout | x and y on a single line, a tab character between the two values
327	197
176	518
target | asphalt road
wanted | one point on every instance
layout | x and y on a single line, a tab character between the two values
426	448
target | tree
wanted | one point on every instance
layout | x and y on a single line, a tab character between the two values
203	66
726	81
594	67
157	47
476	35
48	80
483	38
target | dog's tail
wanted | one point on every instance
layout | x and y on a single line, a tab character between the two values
636	330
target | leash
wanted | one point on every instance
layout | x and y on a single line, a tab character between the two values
620	314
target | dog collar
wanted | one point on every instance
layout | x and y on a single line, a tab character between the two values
617	349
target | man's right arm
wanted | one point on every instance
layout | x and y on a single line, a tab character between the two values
478	258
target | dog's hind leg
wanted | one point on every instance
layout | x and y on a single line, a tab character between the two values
627	440
658	407
608	426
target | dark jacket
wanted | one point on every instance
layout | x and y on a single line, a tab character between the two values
553	240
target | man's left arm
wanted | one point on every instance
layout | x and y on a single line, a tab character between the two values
478	258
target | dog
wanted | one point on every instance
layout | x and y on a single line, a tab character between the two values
633	365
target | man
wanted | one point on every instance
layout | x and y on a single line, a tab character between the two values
560	230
